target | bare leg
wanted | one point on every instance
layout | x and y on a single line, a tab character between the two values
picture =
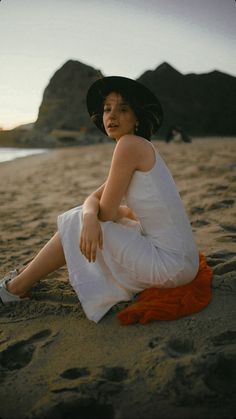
48	260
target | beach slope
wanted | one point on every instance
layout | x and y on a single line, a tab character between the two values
54	363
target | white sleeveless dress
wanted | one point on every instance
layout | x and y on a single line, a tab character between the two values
157	251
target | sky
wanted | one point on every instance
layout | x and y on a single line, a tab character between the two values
118	37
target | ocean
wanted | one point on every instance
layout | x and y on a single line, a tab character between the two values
12	153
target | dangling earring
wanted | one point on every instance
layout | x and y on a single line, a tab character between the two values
136	127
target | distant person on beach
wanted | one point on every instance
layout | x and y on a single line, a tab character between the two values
176	134
114	251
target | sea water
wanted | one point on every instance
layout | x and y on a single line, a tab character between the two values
12	153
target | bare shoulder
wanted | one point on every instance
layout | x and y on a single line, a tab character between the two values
138	150
132	143
127	148
131	139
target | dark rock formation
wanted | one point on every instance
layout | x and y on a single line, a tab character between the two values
202	104
63	106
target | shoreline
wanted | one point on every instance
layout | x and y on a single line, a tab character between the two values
13	153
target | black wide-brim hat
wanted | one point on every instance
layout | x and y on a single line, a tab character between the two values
132	90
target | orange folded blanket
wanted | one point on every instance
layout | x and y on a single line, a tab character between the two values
171	303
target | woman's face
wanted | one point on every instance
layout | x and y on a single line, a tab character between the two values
118	117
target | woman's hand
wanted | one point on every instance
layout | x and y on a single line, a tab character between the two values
91	237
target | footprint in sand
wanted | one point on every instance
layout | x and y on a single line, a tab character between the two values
225	338
216	188
177	347
214	262
114	374
228	238
200	223
197	210
154	342
228	227
222	254
220	257
224	268
226	203
88	398
220	374
108	383
74	373
19	354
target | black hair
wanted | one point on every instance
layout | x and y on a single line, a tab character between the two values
147	117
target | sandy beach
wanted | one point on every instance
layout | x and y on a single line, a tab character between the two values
54	363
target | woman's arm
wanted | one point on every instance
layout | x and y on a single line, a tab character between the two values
91	232
104	203
91	204
126	158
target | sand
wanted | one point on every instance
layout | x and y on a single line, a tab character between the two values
54	363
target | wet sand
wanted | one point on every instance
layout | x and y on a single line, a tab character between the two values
54	363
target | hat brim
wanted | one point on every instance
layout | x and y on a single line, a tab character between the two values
130	88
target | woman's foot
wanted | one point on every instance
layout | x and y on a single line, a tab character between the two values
5	295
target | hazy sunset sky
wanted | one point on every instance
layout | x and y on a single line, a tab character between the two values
119	37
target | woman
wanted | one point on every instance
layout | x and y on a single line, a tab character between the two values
114	251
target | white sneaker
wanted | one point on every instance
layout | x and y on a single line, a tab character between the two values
6	296
9	276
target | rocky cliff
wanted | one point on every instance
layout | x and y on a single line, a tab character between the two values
64	100
203	104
